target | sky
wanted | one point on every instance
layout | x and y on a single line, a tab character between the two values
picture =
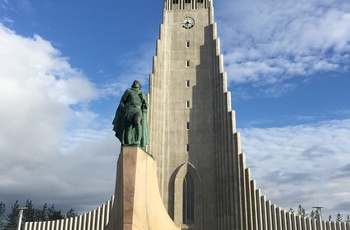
64	65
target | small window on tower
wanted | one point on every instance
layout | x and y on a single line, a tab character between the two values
187	104
188	125
188	83
176	1
187	1
187	44
187	63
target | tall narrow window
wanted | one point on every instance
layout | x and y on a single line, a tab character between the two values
187	104
187	44
187	63
188	83
188	200
188	125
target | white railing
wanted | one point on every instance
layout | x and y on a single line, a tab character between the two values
94	220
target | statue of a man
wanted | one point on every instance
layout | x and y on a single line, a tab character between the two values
130	121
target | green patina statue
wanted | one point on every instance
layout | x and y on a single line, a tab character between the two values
130	121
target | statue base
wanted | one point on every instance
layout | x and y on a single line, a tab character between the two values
137	201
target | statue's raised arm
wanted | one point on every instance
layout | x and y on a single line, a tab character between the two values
130	121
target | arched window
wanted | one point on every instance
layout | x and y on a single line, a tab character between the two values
188	200
187	1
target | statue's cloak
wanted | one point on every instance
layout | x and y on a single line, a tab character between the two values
123	115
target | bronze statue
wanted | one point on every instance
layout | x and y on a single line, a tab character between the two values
130	121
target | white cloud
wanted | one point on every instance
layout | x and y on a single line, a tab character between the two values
306	164
6	20
269	42
41	96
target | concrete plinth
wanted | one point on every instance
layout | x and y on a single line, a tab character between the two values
137	204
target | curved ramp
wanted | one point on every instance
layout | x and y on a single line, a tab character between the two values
138	204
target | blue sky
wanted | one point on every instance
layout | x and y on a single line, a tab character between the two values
64	65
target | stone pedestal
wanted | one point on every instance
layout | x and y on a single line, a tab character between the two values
137	203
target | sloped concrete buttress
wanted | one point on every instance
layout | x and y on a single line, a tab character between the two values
138	204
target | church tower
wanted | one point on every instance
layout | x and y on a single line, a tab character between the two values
191	125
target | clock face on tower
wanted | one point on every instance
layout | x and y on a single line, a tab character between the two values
187	22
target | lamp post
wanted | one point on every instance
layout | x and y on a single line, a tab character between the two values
20	216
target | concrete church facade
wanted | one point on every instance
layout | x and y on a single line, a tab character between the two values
192	128
198	167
